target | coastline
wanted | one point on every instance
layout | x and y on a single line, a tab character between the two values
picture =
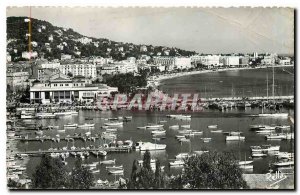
160	78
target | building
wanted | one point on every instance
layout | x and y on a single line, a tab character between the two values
8	57
244	60
51	65
143	48
284	61
167	61
182	63
86	70
17	79
208	61
65	57
231	60
84	40
44	74
63	89
122	67
29	55
255	55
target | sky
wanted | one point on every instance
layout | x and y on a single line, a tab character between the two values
204	30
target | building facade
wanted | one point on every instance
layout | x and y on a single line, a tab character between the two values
17	79
63	89
86	70
231	61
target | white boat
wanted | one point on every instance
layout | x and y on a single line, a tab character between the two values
195	132
235	133
141	127
284	164
185	126
39	132
102	153
71	125
111	130
267	127
174	127
114	124
184	140
158	132
179	116
95	171
289	136
181	156
162	121
128	118
114	167
255	127
152	161
179	136
279	115
61	130
53	127
142	146
275	136
128	143
265	132
88	133
177	163
285	155
108	162
154	126
283	127
234	138
264	148
212	126
185	131
86	125
45	115
62	113
116	172
246	166
206	139
216	131
246	162
200	152
258	155
27	116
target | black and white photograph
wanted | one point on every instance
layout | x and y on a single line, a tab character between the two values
150	98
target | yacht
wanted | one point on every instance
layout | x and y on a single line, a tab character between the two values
279	115
245	162
289	136
212	126
264	148
154	126
275	136
216	131
114	124
116	172
177	163
258	155
256	127
181	156
71	125
285	155
114	167
158	132
174	127
186	126
142	146
265	131
206	139
108	162
43	115
284	163
283	127
234	138
246	166
86	125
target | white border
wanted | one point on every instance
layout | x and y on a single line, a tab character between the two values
111	3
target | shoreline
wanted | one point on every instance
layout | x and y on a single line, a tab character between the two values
160	78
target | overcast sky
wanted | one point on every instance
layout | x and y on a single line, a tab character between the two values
204	30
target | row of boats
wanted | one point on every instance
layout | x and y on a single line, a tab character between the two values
271	131
44	115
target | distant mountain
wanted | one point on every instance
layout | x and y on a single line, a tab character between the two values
52	41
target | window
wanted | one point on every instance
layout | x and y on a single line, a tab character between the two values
36	94
61	95
55	85
47	95
76	94
67	94
55	94
66	84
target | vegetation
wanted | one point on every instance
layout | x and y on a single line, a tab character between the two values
81	177
126	83
51	174
17	29
210	171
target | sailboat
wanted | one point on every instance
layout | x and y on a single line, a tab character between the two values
272	114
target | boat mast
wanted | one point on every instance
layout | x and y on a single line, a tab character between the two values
273	89
267	87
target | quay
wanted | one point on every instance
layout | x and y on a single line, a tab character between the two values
262	98
51	138
108	150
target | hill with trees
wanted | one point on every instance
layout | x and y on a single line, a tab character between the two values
51	41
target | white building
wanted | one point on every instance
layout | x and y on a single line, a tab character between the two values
143	48
182	63
84	40
86	70
63	89
167	61
65	57
231	60
51	65
208	61
122	67
284	61
255	55
17	79
29	55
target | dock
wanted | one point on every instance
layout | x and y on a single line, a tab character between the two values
108	150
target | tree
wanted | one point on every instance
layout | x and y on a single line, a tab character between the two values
81	177
70	74
50	173
158	176
210	171
147	160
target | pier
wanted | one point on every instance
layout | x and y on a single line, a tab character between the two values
262	98
108	150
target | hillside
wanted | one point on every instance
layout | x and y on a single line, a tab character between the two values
51	41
